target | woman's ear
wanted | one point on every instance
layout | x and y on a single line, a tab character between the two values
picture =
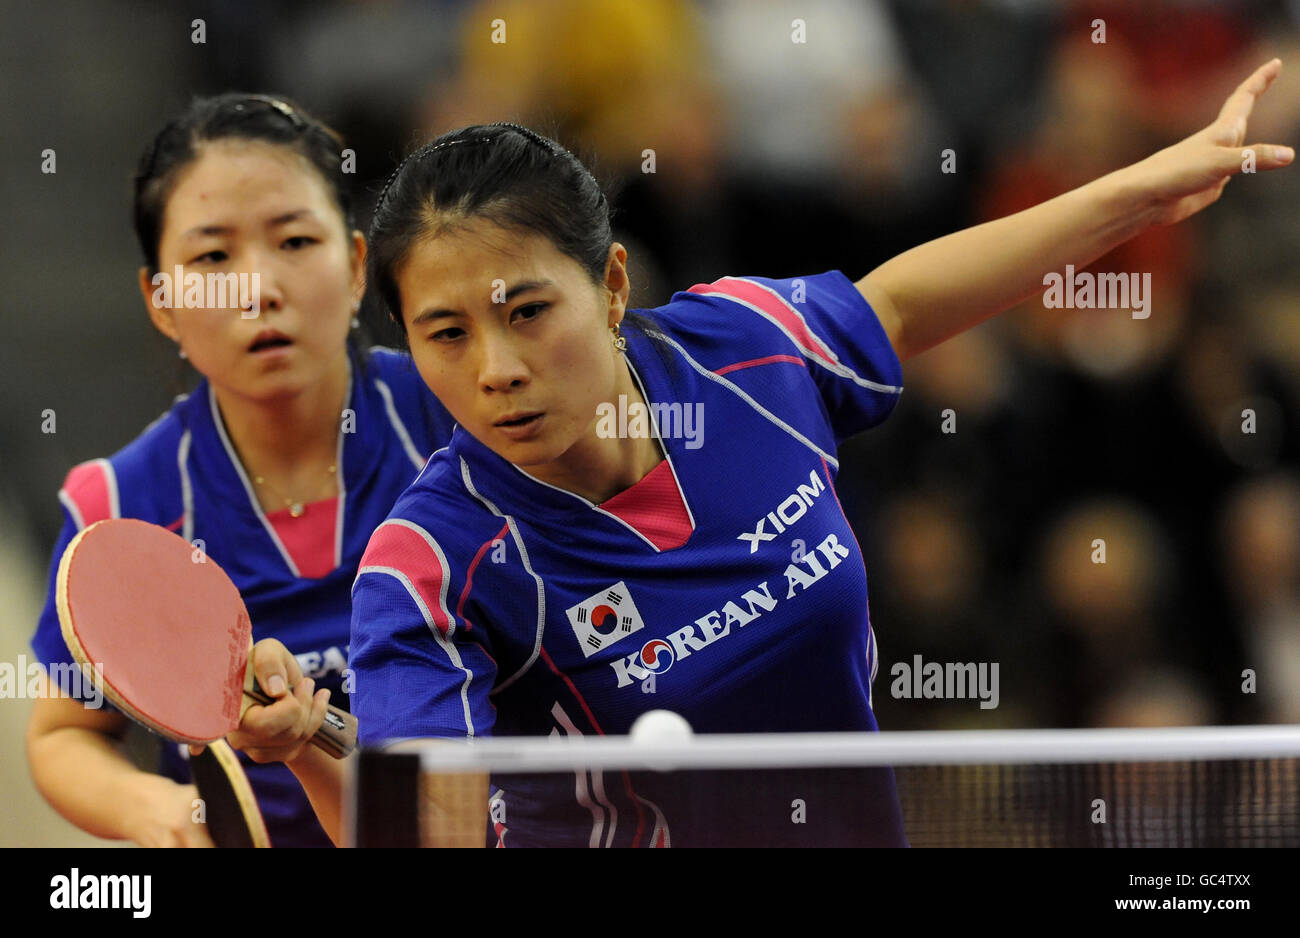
160	314
617	284
357	260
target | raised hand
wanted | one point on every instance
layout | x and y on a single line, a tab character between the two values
1180	180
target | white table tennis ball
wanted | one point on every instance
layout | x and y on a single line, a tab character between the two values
659	727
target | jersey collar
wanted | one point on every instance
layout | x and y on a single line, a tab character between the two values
213	466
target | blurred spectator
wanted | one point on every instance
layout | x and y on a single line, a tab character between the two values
1261	555
1107	581
1155	698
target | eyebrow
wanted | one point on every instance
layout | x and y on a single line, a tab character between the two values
277	221
431	314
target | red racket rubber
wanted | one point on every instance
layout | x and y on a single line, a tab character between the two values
166	633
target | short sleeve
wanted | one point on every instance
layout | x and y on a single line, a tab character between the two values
421	670
823	323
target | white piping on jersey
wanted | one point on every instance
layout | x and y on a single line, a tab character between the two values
583	798
73	510
734	389
661	823
523	555
425	468
187	491
831	363
597	783
110	483
248	487
875	664
445	643
400	428
340	509
668	456
339	505
110	479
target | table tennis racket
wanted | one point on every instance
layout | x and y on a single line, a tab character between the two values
230	809
161	625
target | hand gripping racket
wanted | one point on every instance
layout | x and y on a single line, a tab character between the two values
166	632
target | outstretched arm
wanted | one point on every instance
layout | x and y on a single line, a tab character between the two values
948	285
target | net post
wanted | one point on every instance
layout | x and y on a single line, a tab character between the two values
384	800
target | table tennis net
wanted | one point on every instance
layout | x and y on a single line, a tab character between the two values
1185	787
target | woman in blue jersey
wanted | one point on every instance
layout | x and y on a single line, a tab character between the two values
281	462
637	511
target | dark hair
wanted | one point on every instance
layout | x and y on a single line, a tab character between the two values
230	116
501	173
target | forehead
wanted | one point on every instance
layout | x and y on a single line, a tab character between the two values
235	180
461	263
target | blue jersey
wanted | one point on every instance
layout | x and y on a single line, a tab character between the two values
727	585
294	574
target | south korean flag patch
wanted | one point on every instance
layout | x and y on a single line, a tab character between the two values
604	619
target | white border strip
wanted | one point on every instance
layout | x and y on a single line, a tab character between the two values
807	750
763	411
248	486
528	567
399	427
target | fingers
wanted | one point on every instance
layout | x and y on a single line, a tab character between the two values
1270	155
284	717
275	667
319	705
1258	157
279	731
1236	110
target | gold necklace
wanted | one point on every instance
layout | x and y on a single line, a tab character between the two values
295	505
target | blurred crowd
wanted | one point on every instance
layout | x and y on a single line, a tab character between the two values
1174	440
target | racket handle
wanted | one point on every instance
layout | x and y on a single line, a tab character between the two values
336	736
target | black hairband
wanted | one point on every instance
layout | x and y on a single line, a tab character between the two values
549	146
294	117
284	109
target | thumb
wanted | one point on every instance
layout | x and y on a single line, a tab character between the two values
271	666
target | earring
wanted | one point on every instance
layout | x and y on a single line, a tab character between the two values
180	351
356	308
356	323
620	343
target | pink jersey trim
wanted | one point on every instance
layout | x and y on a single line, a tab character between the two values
91	491
405	549
774	307
654	507
309	539
469	577
753	362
